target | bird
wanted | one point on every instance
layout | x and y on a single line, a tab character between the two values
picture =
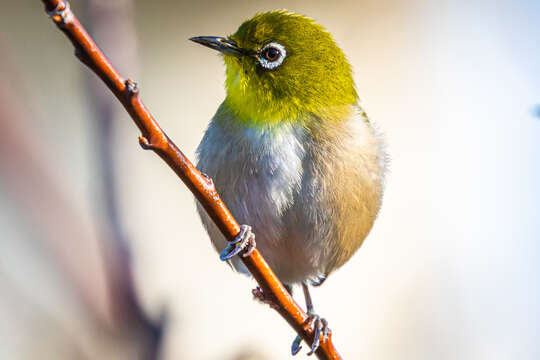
292	152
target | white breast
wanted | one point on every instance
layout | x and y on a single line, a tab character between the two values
287	186
256	172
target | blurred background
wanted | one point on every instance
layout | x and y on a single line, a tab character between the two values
102	255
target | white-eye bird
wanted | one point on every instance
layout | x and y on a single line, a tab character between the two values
291	152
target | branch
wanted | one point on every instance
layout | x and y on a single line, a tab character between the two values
154	138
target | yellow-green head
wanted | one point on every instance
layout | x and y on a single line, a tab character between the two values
282	66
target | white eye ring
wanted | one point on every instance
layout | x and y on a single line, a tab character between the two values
267	64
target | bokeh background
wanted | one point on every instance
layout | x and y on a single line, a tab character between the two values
102	255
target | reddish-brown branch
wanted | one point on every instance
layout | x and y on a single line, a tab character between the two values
154	138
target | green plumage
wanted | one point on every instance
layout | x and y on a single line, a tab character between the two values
314	78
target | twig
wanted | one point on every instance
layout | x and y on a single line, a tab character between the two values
154	138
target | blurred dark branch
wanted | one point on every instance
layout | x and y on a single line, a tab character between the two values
154	138
111	24
98	273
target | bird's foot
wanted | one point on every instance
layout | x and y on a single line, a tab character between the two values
259	294
319	326
245	241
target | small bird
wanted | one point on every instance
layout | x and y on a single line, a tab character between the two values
291	152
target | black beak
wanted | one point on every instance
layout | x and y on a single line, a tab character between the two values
220	44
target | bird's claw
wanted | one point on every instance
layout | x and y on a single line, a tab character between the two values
296	347
245	241
319	325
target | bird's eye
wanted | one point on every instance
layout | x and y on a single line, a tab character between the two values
271	55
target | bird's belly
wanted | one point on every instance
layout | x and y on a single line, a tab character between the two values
291	258
257	176
311	200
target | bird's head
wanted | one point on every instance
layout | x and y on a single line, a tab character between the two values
280	66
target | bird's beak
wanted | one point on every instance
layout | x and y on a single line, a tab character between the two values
220	44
